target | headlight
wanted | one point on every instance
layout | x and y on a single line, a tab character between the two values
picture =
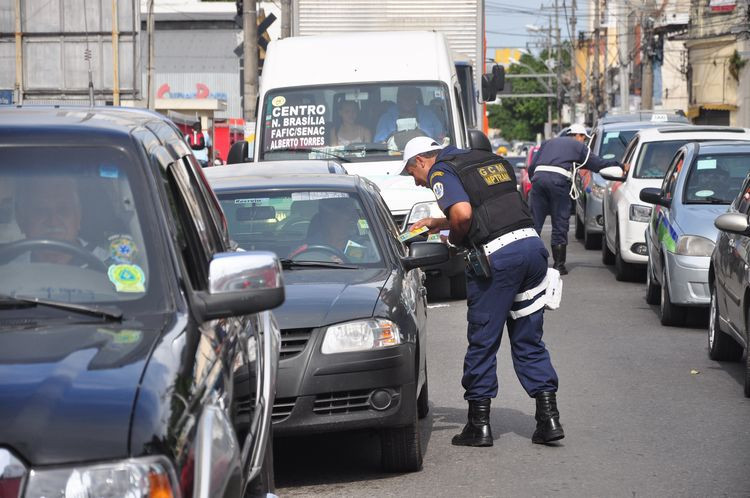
598	191
134	478
362	335
640	213
422	210
693	245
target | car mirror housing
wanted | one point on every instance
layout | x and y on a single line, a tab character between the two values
240	283
425	254
653	196
238	152
613	174
733	223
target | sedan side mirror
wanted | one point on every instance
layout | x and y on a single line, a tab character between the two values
732	223
425	254
240	283
653	196
238	152
613	174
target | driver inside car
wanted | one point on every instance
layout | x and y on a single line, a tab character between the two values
49	208
408	106
333	233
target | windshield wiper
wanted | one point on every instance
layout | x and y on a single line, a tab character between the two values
290	263
711	200
106	314
310	149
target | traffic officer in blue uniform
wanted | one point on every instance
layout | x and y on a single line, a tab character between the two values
552	173
506	271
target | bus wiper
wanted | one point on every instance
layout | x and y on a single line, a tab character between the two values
114	315
291	263
309	150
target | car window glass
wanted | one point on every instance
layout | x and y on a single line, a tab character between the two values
390	225
670	179
716	179
360	122
628	156
742	200
614	143
211	203
654	158
75	226
304	225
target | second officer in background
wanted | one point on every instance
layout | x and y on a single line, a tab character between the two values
552	174
477	192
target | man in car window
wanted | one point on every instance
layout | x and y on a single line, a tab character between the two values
335	227
408	106
49	208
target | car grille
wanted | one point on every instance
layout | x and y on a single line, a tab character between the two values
282	408
399	220
293	342
342	402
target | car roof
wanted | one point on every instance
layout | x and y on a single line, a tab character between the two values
723	147
271	181
84	125
693	132
644	116
632	125
287	167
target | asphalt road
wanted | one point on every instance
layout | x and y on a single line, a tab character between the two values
645	411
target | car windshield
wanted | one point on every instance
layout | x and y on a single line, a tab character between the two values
72	226
716	179
302	225
614	144
654	158
363	122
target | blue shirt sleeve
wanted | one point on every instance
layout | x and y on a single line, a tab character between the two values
430	123
386	125
447	187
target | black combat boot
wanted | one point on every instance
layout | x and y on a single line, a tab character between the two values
548	427
477	431
558	256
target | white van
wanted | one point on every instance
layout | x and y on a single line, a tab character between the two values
359	98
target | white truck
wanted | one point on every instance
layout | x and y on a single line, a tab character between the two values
357	99
460	21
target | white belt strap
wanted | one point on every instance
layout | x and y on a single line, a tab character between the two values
502	241
554	169
552	287
526	295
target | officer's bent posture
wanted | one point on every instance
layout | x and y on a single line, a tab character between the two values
551	173
477	192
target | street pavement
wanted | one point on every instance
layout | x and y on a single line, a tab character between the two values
645	411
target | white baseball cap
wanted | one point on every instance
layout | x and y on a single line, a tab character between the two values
416	146
578	129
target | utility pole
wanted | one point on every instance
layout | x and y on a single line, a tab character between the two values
286	18
573	63
250	49
624	57
558	69
548	128
150	70
19	55
597	46
647	84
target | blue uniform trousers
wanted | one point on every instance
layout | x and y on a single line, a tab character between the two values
550	196
517	267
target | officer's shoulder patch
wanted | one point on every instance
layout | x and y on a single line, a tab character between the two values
438	190
436	174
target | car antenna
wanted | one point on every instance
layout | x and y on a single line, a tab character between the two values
87	54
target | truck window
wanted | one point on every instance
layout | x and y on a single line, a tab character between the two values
356	122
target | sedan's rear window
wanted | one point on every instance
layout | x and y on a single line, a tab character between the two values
716	179
303	225
655	157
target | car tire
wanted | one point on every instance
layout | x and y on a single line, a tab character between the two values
721	347
423	401
264	483
608	257
669	314
592	240
653	289
458	286
624	271
580	229
401	447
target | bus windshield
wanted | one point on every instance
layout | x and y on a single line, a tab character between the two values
355	122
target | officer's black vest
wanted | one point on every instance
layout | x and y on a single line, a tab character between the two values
497	206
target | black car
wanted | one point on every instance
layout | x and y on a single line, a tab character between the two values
353	326
729	284
135	358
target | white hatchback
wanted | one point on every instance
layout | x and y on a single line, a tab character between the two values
646	160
